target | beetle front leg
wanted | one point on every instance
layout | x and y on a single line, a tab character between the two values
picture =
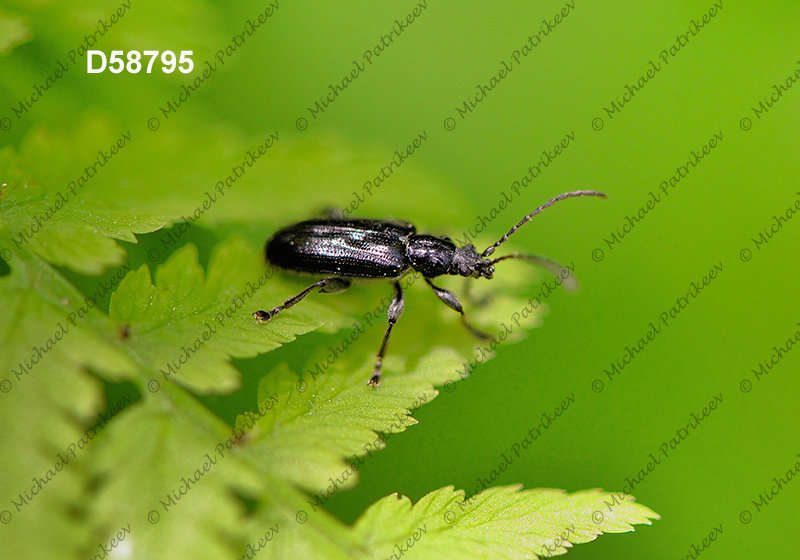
451	301
329	285
395	310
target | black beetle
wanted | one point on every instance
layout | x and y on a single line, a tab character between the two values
346	249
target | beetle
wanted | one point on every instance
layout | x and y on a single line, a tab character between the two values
345	249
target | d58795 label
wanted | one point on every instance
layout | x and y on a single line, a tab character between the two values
133	62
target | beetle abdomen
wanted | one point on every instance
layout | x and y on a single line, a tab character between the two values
363	248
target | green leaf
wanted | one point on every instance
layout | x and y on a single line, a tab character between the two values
13	31
304	428
167	479
189	324
58	225
47	401
313	424
499	523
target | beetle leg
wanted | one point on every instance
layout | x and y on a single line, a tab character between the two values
329	285
395	310
472	298
451	301
332	213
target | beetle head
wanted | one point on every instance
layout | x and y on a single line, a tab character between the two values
467	262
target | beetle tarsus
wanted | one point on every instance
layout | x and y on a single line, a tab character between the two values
478	333
264	316
329	285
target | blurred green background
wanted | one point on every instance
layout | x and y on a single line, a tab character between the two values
414	85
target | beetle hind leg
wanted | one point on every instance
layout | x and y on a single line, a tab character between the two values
451	301
329	285
395	310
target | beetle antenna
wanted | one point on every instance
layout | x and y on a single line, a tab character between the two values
569	281
489	250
